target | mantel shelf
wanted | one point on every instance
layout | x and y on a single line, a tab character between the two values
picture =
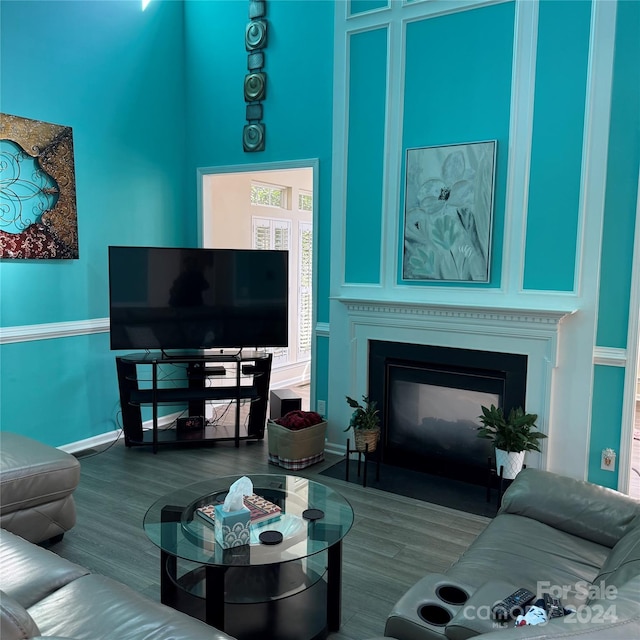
478	313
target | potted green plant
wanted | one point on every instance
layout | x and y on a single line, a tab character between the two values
365	422
512	435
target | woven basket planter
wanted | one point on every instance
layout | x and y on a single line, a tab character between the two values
296	449
364	437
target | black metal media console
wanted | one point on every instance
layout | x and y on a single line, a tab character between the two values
192	380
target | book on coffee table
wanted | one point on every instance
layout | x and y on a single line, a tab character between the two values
260	509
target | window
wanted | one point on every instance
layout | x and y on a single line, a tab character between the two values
305	277
273	233
305	201
268	196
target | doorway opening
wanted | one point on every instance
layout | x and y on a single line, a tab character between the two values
271	206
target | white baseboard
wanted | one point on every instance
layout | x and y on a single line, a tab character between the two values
338	449
111	436
90	443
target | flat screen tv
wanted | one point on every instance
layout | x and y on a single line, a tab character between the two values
171	298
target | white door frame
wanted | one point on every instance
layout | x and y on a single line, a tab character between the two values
314	165
632	363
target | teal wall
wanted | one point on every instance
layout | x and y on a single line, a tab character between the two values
606	419
362	6
60	390
458	87
153	96
114	74
118	95
298	107
322	364
150	96
457	90
622	181
623	167
365	162
556	154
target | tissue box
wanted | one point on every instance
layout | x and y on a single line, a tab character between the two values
231	528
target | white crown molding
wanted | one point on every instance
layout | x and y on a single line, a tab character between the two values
496	316
32	332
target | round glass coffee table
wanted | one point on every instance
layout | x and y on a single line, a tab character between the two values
290	590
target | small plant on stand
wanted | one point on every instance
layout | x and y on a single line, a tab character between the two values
365	422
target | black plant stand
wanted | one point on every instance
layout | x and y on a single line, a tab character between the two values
503	483
364	453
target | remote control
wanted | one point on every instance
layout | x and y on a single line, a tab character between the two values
512	606
553	606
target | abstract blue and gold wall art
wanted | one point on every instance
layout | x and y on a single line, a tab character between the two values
38	216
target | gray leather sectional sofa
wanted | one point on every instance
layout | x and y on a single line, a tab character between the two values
37	482
570	538
44	596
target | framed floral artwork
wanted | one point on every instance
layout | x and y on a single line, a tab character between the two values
38	217
449	212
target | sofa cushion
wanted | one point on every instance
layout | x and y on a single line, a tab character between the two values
580	508
33	473
95	607
529	554
15	621
623	562
28	573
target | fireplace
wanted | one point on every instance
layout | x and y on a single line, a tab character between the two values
429	399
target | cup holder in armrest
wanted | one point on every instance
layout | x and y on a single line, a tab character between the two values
452	595
427	609
434	614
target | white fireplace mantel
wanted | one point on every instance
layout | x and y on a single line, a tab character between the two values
485	315
532	332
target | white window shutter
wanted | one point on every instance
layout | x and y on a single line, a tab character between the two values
273	233
261	234
305	284
281	234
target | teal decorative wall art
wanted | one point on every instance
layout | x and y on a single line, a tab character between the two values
448	212
38	216
255	82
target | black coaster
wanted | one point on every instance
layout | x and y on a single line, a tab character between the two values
313	514
270	537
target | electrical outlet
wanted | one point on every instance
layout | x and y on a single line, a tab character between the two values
608	460
321	407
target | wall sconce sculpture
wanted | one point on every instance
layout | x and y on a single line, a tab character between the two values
38	217
255	82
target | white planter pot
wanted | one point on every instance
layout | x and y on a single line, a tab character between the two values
510	461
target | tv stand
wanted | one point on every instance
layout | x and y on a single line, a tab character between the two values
192	380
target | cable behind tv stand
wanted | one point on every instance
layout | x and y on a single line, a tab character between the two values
157	379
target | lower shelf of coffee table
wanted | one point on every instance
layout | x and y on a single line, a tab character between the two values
285	601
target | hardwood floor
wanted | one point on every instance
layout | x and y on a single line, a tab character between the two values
394	541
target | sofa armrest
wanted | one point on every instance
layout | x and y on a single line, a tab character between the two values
15	621
580	508
613	618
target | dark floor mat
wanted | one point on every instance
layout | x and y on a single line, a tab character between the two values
454	494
